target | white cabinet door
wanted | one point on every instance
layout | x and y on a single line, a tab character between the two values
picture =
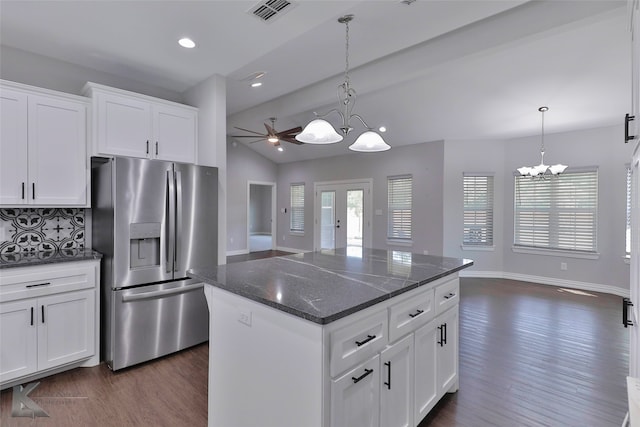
426	391
174	131
57	152
447	367
18	352
123	126
65	328
13	147
396	384
355	396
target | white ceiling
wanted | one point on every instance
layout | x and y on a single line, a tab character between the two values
454	69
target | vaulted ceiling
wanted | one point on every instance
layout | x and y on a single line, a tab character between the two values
430	70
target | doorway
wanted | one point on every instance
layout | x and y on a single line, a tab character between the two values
343	215
261	206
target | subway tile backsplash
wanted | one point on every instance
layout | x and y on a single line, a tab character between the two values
25	231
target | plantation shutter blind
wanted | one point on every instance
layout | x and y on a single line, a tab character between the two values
297	207
478	209
399	198
557	213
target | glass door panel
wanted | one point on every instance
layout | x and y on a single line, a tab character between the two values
328	219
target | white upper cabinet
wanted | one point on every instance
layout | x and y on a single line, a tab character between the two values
42	147
133	125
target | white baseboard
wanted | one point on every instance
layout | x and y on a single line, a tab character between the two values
293	250
238	252
584	286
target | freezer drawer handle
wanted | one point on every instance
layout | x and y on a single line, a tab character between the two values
366	340
39	284
361	377
163	293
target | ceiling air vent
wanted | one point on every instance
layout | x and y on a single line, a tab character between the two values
269	10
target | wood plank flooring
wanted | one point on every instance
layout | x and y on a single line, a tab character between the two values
530	355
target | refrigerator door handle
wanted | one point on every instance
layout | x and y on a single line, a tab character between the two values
170	225
178	222
162	293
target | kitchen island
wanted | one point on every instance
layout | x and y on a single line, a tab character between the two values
332	338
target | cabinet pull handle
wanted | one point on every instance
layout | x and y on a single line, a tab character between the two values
388	383
627	137
147	146
39	284
444	340
416	314
31	316
361	377
33	190
156	148
23	191
42	313
449	295
363	342
626	302
441	329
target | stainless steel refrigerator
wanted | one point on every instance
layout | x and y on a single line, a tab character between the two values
152	221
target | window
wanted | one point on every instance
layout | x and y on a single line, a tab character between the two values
478	209
399	199
557	213
628	222
297	208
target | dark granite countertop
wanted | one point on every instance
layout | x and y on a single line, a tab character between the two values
25	259
325	286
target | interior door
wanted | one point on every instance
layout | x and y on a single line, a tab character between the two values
343	215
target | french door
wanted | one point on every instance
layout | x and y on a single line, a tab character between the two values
343	215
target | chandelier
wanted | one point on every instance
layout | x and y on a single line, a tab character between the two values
542	170
320	131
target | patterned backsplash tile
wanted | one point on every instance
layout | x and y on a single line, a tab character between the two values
28	231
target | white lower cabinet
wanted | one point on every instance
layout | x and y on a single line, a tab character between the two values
447	351
426	389
48	319
396	388
355	396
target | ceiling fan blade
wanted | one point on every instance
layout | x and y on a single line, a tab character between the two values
292	130
291	140
257	140
250	131
249	136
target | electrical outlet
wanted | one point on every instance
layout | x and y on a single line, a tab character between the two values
284	237
244	317
230	239
563	266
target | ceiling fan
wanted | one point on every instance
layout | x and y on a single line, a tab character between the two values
272	136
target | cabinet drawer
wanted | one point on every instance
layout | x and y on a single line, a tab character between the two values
358	341
408	315
43	280
447	296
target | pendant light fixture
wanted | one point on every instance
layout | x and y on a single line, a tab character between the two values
542	171
320	131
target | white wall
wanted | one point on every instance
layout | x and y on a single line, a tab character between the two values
423	161
243	165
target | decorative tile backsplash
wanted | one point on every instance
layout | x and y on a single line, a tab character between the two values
28	231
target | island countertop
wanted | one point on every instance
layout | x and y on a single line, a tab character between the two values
327	285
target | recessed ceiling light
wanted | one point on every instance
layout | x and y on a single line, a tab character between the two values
256	84
382	129
187	43
280	148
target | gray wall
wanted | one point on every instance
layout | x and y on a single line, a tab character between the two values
243	165
37	70
602	147
424	161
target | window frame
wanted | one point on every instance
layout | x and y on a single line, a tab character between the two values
489	209
296	211
403	208
556	226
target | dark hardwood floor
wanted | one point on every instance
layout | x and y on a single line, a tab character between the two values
530	355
